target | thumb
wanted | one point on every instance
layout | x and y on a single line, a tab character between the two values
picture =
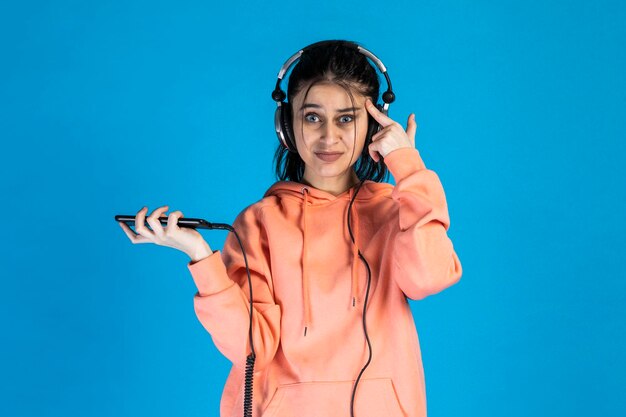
411	128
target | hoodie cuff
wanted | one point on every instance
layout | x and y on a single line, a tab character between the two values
402	162
210	274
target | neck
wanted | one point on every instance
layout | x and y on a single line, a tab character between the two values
334	186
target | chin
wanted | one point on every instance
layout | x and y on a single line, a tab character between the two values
330	173
331	170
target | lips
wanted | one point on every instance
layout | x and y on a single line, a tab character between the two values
328	156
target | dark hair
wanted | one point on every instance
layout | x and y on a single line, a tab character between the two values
339	62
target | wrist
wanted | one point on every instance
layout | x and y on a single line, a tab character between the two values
201	252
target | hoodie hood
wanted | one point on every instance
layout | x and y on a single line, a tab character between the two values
310	196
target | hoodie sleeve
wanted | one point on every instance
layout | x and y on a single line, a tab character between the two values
423	260
222	301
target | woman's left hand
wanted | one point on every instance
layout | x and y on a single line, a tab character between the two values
392	135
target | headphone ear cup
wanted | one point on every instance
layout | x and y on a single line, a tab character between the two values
285	121
287	127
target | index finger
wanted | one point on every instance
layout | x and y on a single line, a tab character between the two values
379	116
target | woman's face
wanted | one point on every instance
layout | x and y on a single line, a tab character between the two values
330	132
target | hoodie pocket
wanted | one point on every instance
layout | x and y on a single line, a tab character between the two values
374	398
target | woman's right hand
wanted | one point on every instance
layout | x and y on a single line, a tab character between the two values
185	239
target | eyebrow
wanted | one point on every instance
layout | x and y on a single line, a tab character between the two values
317	106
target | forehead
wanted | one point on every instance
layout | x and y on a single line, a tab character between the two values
329	94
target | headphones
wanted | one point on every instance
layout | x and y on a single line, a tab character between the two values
283	114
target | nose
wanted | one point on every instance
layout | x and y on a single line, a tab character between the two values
330	133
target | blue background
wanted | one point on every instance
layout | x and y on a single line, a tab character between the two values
109	106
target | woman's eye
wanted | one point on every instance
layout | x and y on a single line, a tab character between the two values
311	117
345	119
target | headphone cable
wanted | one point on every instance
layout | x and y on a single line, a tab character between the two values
250	359
369	280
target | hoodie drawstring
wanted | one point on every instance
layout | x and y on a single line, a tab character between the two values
306	302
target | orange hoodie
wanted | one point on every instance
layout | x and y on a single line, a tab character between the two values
309	287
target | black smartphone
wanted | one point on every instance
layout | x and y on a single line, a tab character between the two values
189	222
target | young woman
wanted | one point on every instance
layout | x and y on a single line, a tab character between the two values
333	254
